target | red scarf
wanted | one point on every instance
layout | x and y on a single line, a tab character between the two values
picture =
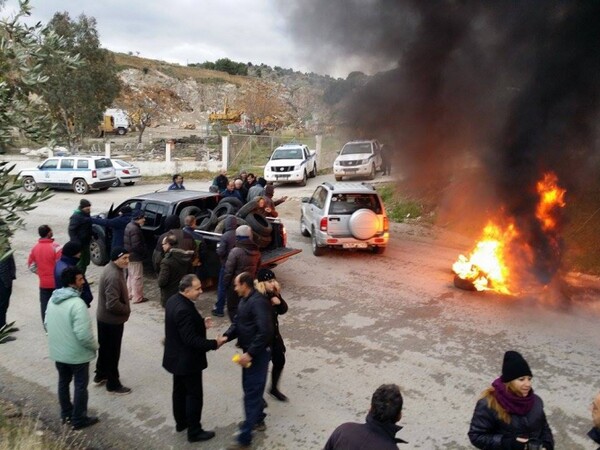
512	403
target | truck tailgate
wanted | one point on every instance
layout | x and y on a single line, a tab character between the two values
274	256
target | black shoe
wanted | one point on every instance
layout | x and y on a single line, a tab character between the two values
99	380
180	428
216	313
278	395
201	436
66	420
87	422
120	391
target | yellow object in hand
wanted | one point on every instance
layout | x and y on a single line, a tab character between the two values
236	359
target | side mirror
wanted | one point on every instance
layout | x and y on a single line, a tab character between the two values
305	199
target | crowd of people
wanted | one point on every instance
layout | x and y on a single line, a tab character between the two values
508	416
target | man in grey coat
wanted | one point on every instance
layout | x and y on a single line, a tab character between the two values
112	313
135	245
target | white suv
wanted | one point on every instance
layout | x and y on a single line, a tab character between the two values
345	215
80	173
358	159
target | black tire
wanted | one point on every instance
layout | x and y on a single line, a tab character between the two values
338	178
232	200
29	184
378	250
261	241
247	208
259	224
372	174
304	178
220	227
116	183
224	209
464	284
317	251
80	186
189	211
313	174
98	252
206	222
303	230
121	131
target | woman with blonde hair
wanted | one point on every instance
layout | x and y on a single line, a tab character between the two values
267	285
509	416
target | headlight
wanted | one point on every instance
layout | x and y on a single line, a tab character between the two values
297	168
365	161
267	169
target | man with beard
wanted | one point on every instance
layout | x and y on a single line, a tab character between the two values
186	346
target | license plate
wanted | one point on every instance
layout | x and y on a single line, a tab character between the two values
355	245
278	177
351	170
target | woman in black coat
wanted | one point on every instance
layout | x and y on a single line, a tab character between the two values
509	416
268	286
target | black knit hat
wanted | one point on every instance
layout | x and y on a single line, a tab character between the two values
514	366
71	248
117	252
265	275
83	203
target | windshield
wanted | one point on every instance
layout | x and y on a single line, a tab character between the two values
287	153
356	148
121	163
103	163
348	203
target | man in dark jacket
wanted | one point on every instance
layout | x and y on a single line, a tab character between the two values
253	328
172	226
226	243
177	184
231	191
69	258
380	428
594	433
80	230
136	246
173	267
117	225
244	257
8	273
112	313
185	356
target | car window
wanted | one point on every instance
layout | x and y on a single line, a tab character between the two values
317	197
348	203
356	148
103	163
121	163
50	164
287	153
67	164
154	213
82	164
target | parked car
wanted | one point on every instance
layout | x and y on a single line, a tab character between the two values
291	163
345	216
79	173
127	173
358	159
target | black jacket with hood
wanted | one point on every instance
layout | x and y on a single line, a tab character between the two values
227	241
244	257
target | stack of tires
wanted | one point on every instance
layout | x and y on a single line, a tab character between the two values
248	214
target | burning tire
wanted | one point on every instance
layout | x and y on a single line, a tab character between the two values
461	283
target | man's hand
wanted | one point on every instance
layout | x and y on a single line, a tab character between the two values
245	359
221	340
208	322
275	300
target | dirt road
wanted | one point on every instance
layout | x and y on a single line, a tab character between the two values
356	320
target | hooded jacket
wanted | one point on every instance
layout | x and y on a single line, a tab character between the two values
227	241
365	436
69	326
44	255
173	267
134	242
80	227
71	261
244	257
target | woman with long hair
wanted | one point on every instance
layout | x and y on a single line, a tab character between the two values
509	416
267	285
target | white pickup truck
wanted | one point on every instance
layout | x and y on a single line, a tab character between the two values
291	163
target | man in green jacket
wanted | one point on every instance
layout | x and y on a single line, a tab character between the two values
72	347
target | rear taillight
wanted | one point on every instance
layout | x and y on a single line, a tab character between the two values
386	224
323	224
94	174
126	172
284	233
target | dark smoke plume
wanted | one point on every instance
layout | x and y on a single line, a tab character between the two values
508	89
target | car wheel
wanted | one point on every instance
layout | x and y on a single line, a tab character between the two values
378	250
338	178
116	183
29	184
317	251
98	253
303	229
372	174
121	131
313	174
303	182
80	186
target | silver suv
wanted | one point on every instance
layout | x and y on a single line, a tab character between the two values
346	216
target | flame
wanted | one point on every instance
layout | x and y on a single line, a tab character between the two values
551	197
486	267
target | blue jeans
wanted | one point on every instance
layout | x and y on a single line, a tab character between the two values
76	411
221	292
254	380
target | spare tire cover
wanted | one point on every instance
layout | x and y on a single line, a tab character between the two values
364	223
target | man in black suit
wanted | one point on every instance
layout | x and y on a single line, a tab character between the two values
185	356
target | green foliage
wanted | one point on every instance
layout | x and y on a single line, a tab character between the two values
224	65
399	209
78	94
13	204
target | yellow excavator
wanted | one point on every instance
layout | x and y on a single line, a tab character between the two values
227	116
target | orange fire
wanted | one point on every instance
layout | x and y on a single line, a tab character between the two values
488	265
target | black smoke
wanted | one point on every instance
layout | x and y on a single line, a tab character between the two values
507	89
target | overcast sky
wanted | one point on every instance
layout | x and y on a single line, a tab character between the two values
188	31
